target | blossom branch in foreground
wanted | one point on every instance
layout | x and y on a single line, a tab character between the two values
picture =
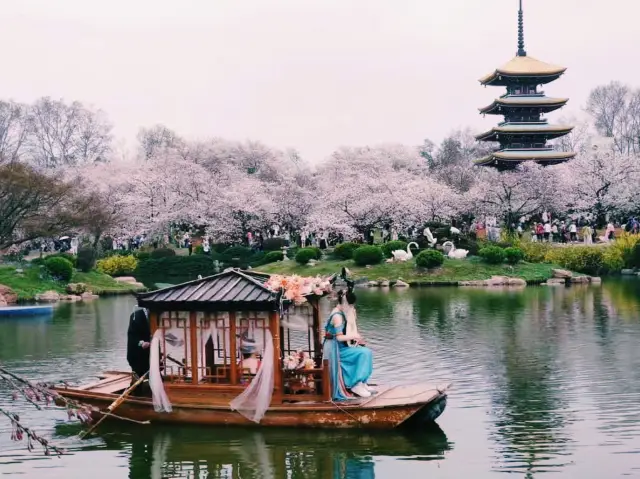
19	430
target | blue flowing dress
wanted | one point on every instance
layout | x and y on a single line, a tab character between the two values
348	366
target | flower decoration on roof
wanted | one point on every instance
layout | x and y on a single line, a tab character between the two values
296	288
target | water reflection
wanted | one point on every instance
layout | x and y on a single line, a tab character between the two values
265	454
545	380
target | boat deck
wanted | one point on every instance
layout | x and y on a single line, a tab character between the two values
115	382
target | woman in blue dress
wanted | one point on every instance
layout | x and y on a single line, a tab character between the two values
350	362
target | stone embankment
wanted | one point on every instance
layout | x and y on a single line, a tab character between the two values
561	277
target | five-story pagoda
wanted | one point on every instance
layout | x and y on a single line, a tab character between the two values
523	134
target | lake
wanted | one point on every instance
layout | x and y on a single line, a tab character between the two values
545	380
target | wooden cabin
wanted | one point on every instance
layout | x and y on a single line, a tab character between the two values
213	316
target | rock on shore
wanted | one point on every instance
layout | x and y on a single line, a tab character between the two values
495	281
7	296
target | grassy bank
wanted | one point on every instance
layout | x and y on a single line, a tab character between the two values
29	283
452	271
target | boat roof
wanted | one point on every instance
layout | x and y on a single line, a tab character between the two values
524	66
231	290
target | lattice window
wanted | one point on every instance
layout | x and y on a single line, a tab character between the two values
298	332
214	348
176	346
251	328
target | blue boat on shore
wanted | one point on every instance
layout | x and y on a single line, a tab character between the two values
22	311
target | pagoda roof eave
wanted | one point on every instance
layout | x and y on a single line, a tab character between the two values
522	67
519	156
555	130
548	104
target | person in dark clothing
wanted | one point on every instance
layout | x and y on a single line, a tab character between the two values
138	343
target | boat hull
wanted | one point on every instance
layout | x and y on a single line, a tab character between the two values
376	413
22	311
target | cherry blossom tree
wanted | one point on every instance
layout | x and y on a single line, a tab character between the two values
524	191
241	205
371	187
602	181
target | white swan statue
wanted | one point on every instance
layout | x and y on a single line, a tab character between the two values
453	253
401	255
432	241
454	230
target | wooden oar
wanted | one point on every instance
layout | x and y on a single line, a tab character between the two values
115	404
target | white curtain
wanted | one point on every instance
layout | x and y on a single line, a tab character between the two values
255	400
161	402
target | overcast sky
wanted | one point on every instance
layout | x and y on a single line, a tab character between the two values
310	74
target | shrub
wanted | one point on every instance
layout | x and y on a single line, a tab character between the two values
68	256
366	255
238	252
118	265
272	257
273	244
513	255
304	255
345	250
535	252
584	259
429	258
86	258
162	253
237	256
38	261
387	248
471	245
317	251
634	259
173	269
492	254
613	260
59	268
627	248
442	233
142	255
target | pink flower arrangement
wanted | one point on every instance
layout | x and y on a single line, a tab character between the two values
296	288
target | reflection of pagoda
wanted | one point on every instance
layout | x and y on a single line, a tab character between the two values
523	134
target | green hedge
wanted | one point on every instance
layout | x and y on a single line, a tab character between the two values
492	254
345	251
59	268
584	259
273	244
429	258
162	253
86	258
513	255
387	248
68	256
272	257
304	255
174	269
366	255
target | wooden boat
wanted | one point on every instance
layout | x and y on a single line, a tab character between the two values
13	311
214	315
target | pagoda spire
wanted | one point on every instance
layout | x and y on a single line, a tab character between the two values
521	50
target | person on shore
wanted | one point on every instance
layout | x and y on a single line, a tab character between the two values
587	234
573	231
